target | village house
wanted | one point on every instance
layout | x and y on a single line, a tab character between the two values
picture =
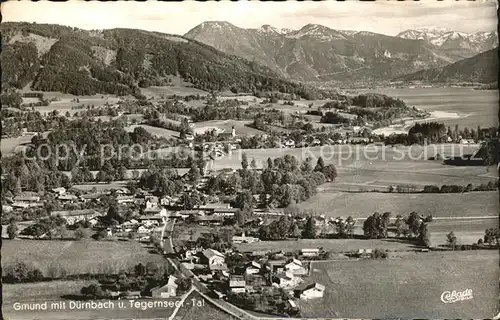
253	268
95	197
142	229
151	201
288	280
209	220
166	291
212	257
124	199
27	198
71	198
59	191
312	291
214	268
155	211
244	239
295	267
237	284
73	216
310	252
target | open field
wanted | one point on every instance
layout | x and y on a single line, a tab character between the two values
157	91
361	205
406	287
226	126
78	257
56	290
65	101
159	132
101	186
359	156
468	231
9	145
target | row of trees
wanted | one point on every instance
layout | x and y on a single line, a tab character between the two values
413	227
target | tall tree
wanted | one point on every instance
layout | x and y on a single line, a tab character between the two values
451	239
320	165
244	161
309	231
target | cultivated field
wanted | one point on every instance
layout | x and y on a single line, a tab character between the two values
55	291
226	126
66	101
406	287
78	257
9	145
101	186
157	91
407	158
361	205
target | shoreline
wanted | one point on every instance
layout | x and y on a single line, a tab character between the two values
404	128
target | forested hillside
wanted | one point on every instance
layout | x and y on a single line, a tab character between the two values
119	61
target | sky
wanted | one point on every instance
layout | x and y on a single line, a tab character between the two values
386	17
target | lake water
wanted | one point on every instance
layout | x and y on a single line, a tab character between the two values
474	107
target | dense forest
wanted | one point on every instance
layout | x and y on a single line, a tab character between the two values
74	63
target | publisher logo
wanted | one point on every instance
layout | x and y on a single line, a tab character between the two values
455	296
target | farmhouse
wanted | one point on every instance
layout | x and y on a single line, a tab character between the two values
73	216
212	257
166	291
312	291
295	267
288	280
253	268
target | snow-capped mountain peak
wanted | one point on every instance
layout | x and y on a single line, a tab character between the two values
452	39
270	29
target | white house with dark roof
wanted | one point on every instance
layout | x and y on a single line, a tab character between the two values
168	290
213	257
312	291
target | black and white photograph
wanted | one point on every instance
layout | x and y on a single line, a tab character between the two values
252	160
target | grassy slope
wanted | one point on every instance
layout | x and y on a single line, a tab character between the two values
78	256
408	287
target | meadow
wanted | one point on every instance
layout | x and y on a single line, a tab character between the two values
361	205
180	90
77	257
55	291
406	287
240	127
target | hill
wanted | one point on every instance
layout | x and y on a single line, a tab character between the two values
316	52
482	68
119	61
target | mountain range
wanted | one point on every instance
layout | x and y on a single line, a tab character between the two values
316	52
120	61
482	68
453	40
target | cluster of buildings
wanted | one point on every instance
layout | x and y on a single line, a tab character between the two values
252	273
